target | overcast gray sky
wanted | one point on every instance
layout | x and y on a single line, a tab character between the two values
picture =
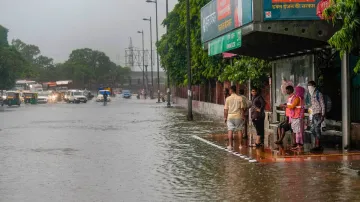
60	26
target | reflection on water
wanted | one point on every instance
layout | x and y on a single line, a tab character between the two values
134	150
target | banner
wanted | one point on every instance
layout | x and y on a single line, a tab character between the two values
222	16
294	9
225	43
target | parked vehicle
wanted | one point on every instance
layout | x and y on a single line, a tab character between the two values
126	94
76	96
30	98
12	98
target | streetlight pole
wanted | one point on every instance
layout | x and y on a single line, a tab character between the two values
151	55
190	115
143	56
157	40
168	73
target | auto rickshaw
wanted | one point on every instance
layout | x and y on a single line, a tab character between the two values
12	98
30	98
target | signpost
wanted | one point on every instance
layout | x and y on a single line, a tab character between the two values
225	43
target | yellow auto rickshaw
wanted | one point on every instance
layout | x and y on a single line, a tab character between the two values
12	98
30	98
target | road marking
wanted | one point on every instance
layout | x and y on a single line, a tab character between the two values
224	149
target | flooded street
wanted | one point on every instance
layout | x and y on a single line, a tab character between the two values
136	150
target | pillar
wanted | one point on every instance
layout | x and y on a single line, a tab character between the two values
345	93
273	90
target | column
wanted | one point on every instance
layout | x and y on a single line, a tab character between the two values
345	93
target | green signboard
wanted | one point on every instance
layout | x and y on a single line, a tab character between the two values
225	43
294	9
219	17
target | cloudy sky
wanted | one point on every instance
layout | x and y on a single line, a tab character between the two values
60	26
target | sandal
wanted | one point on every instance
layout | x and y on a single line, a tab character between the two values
259	145
278	142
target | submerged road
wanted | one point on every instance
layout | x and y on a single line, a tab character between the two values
136	150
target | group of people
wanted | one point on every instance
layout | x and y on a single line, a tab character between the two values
236	115
295	114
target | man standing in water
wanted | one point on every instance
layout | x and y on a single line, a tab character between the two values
234	114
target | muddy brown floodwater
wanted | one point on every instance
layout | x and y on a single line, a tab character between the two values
135	150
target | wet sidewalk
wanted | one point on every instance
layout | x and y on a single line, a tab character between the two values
279	153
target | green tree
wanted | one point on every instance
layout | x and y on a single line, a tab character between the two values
347	38
245	68
12	64
29	52
3	36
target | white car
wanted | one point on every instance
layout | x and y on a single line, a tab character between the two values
76	96
43	98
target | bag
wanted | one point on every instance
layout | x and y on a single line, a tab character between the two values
327	101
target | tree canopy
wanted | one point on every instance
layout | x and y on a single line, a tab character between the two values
84	66
347	38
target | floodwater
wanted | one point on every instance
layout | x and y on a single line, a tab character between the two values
136	150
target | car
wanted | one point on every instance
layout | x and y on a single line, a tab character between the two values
126	94
76	96
100	96
43	98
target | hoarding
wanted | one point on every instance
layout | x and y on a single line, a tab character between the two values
225	43
222	16
294	9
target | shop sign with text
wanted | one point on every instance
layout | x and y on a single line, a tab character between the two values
295	9
225	43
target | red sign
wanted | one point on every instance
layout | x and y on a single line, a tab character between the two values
322	5
223	9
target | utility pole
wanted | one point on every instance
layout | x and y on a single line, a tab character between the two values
157	40
151	55
168	72
190	115
143	56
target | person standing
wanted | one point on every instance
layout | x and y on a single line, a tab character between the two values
246	116
318	114
296	106
286	125
258	116
233	114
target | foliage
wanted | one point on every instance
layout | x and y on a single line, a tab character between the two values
172	49
348	37
84	66
245	68
3	36
12	64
